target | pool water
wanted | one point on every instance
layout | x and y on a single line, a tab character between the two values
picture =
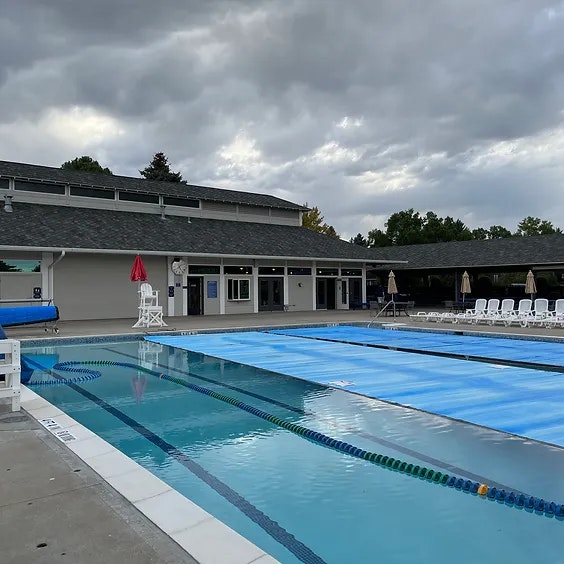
510	385
298	500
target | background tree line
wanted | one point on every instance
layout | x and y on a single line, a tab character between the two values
409	227
157	169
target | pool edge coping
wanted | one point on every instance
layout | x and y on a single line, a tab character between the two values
193	516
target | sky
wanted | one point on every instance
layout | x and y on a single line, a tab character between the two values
361	108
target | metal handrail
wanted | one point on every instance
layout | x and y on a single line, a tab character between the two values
381	310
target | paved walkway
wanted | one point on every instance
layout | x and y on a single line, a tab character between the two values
195	323
54	508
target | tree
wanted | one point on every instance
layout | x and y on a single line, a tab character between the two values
5	267
159	169
316	222
454	230
359	240
499	232
480	234
85	164
377	238
531	226
405	228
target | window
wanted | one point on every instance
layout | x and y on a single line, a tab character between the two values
92	192
182	202
41	187
271	270
238	289
327	272
351	272
238	269
138	197
4	184
203	269
20	266
298	271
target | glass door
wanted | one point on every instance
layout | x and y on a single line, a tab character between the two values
321	294
271	294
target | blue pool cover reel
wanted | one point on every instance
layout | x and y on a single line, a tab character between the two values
26	315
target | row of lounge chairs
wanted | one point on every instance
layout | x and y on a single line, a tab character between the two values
527	313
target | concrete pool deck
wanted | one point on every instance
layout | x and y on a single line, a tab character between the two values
55	508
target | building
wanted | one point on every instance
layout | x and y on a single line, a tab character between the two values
72	237
432	272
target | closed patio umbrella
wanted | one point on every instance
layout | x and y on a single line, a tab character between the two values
465	286
392	287
530	286
138	273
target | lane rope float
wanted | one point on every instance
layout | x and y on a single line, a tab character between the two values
536	505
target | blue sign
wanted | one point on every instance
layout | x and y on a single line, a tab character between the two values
212	288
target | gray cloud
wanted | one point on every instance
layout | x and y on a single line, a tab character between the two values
362	109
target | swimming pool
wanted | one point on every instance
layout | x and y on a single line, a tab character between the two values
296	499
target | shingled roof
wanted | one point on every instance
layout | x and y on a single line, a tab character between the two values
24	171
512	251
63	227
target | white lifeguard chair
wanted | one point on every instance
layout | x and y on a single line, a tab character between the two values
150	312
10	371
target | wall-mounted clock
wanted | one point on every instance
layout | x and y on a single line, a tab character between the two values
179	266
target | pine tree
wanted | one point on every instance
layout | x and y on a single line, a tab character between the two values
159	169
85	164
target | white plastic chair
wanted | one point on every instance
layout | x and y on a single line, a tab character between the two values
470	314
505	311
539	313
522	312
556	317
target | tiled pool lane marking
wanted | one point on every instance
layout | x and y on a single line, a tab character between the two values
510	498
204	537
373	438
271	527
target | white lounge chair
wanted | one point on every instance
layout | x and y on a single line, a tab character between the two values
504	312
538	314
556	317
522	312
470	314
489	314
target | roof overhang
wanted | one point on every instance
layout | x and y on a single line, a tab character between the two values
173	252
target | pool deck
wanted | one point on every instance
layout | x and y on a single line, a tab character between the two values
55	508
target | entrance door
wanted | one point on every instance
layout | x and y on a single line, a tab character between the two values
355	292
271	294
342	294
325	294
195	296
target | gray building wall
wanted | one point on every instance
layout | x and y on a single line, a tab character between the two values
88	286
300	297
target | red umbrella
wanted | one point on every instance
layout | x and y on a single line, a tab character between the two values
138	273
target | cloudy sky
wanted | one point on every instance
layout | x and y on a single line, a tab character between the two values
362	108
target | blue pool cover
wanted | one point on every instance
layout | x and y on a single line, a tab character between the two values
524	401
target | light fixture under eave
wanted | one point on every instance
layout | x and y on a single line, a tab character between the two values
8	203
